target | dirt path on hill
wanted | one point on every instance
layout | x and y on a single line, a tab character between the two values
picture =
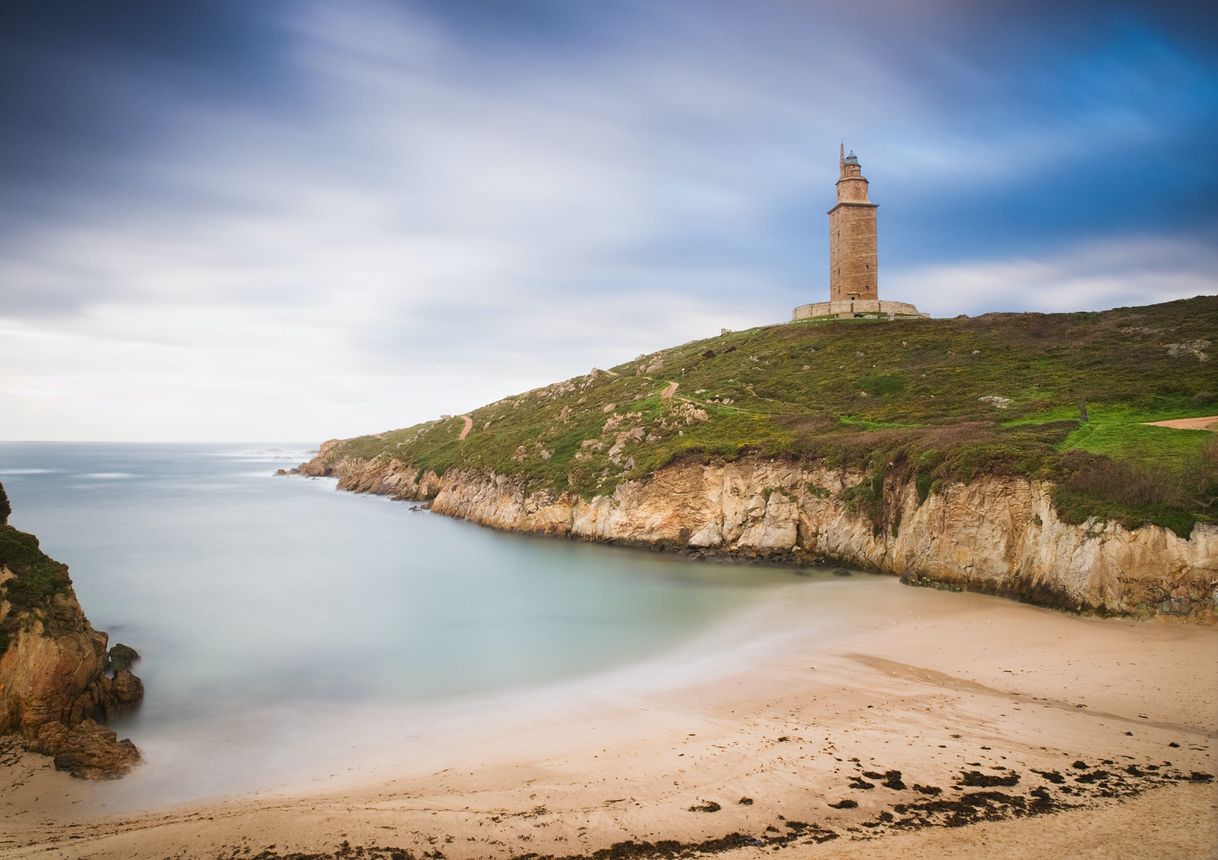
1210	423
469	425
670	390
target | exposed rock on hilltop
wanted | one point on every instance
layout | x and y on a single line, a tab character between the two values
1011	453
57	679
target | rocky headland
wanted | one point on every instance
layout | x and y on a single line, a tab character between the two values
1000	535
59	682
1023	455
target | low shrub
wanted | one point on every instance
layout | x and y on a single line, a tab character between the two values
37	578
1133	494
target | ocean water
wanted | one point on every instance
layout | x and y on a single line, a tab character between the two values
287	629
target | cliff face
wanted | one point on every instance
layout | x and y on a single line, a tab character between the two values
997	535
57	679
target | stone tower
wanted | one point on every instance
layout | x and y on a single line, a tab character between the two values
853	280
852	239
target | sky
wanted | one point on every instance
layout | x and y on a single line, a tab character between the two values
302	220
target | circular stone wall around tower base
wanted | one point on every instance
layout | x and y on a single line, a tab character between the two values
858	309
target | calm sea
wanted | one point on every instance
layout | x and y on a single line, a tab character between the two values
274	614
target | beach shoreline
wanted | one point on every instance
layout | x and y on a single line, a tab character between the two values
897	705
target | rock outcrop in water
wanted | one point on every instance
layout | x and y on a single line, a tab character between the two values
1000	535
57	679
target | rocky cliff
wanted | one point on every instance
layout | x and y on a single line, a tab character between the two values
58	681
1000	535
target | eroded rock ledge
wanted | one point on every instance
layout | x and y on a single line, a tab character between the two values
999	535
58	680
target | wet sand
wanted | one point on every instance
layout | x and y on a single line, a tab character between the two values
901	721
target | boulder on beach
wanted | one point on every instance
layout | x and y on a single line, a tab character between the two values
57	679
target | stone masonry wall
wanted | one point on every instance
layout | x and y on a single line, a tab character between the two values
861	307
852	252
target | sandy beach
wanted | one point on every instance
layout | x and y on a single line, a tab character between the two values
913	722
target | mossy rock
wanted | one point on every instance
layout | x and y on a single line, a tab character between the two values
122	657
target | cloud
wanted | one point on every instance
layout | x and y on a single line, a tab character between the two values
1094	275
361	220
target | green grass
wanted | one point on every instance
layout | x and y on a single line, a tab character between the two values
1173	451
1121	432
901	396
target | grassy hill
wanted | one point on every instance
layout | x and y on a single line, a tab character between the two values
936	400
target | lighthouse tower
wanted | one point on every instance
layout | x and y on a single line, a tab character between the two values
852	239
853	279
